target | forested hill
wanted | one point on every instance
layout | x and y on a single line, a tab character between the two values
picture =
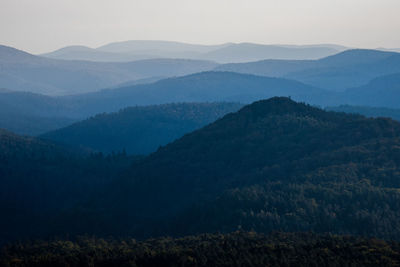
141	130
274	165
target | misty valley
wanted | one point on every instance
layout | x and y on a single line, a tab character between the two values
157	153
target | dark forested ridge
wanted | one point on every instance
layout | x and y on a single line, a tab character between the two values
235	249
141	130
274	165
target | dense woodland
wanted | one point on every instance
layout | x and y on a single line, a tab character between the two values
235	249
274	165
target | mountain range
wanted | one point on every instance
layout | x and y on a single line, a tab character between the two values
21	71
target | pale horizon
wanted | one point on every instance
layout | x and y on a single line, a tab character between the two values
46	25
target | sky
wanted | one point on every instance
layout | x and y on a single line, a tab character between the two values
39	26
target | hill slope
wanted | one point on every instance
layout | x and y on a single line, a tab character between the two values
274	165
348	69
140	130
39	179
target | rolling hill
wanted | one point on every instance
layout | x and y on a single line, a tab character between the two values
351	68
382	91
25	72
140	130
199	87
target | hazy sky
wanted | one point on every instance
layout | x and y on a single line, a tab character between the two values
43	25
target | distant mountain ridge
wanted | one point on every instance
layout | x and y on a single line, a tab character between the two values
223	53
